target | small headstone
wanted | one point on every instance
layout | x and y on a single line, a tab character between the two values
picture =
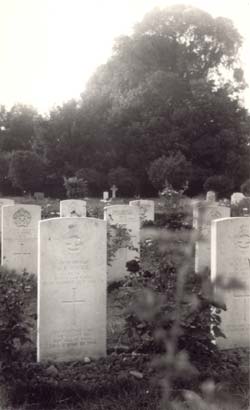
105	195
72	289
146	207
230	258
236	198
73	207
204	213
39	196
114	189
128	217
3	202
211	196
19	237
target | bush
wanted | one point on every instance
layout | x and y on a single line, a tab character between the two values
75	187
245	188
174	170
221	184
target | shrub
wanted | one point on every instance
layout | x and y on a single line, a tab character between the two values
95	180
221	184
75	187
174	170
245	188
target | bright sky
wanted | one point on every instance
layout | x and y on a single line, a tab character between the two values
49	48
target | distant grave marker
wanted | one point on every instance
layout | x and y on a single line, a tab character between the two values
230	258
73	207
127	217
211	196
39	196
72	289
114	189
203	214
19	237
146	207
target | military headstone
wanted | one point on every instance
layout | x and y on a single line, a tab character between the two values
123	220
204	213
211	196
72	284
73	207
3	202
19	237
230	259
146	207
39	196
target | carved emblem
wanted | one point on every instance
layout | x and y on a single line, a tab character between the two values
22	218
242	239
73	241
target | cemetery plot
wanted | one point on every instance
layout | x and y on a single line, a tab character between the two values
72	289
19	237
231	259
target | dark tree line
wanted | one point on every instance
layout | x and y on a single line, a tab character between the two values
169	97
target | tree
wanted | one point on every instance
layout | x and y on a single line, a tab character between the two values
174	170
222	185
123	179
95	180
27	171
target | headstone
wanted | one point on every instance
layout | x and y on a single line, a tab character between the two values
114	189
3	202
72	289
39	196
211	196
204	213
105	195
128	217
146	207
230	258
73	207
19	237
236	198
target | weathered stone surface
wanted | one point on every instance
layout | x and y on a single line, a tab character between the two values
230	259
128	218
72	289
3	202
147	209
19	237
211	196
204	213
73	207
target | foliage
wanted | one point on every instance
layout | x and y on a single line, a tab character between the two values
4	171
95	180
15	290
123	179
242	208
75	187
27	171
173	170
245	187
221	184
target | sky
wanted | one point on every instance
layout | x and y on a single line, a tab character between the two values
50	48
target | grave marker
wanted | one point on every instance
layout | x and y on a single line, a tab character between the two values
73	208
114	189
230	258
146	207
72	289
211	196
203	214
127	217
3	202
19	237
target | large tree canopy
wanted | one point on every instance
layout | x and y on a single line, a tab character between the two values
173	86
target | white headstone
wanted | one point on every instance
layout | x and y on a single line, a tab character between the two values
3	202
19	237
39	196
72	289
105	195
211	196
236	198
72	207
204	213
127	217
147	209
230	258
114	189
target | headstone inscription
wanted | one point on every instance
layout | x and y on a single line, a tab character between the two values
72	289
73	207
146	207
19	237
230	258
204	213
3	202
128	218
